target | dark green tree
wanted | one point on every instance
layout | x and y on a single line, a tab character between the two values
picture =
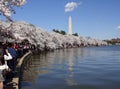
75	34
63	32
57	31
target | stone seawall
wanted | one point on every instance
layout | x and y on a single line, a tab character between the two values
20	67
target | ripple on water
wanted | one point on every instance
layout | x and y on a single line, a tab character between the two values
89	68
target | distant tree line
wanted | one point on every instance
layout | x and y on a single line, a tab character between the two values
113	41
60	32
63	32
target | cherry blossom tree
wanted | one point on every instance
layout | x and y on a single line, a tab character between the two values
7	7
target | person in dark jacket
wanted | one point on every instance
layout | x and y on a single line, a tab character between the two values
12	51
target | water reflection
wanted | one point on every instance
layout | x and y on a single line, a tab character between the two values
70	79
57	62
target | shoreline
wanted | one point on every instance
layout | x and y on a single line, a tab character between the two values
15	83
16	80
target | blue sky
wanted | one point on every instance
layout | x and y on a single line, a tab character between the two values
94	18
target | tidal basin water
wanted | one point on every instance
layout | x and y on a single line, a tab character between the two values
76	68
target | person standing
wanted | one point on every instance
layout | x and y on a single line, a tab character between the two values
2	67
1	59
12	51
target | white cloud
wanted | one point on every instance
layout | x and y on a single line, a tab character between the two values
70	6
118	27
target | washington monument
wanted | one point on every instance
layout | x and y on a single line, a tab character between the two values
70	26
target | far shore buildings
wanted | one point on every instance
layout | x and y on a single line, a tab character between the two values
70	26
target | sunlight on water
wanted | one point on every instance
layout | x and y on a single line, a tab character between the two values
78	68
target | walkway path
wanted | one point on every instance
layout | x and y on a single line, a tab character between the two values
14	82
